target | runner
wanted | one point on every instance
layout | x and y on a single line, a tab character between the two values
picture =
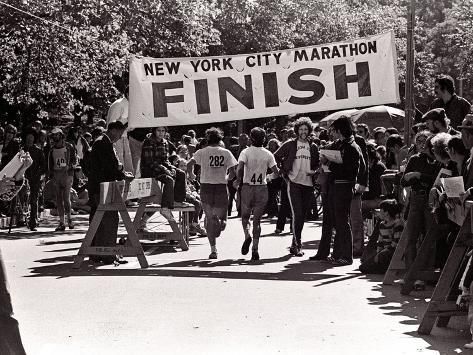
253	164
299	160
214	161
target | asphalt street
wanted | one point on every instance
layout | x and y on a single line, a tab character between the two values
186	304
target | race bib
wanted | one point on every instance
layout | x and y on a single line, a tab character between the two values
61	163
216	161
257	179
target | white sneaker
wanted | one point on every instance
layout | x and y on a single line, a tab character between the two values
469	345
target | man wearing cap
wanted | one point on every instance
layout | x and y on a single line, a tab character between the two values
456	107
105	167
437	122
61	162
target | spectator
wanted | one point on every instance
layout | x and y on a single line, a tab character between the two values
105	167
155	163
379	136
372	197
344	175
11	145
390	229
437	122
363	130
456	107
459	154
420	173
34	175
191	133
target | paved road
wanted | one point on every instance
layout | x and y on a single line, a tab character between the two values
186	304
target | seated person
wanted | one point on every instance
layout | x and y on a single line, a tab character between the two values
389	232
155	164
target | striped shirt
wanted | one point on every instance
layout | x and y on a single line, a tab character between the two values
389	234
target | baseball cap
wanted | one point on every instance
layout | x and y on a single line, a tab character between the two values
467	122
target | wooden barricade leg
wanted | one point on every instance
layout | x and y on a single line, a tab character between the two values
177	233
133	238
397	264
439	306
89	237
416	272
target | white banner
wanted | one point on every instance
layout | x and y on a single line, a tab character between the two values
187	91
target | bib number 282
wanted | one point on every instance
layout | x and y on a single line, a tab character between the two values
257	180
216	161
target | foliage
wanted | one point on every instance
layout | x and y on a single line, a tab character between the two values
83	65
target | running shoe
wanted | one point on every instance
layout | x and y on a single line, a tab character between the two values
61	227
254	255
245	248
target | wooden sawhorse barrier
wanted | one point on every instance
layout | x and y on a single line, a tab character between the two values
397	265
180	231
441	307
113	196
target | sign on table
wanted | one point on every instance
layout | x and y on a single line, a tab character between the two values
185	91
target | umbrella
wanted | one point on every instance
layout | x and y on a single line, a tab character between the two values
380	116
327	121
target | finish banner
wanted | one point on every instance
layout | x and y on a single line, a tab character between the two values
188	91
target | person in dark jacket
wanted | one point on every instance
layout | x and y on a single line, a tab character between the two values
344	175
105	167
299	161
356	217
420	174
34	175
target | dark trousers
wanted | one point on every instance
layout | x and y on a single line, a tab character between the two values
274	186
174	188
34	197
299	198
328	222
10	339
343	243
106	234
231	196
285	208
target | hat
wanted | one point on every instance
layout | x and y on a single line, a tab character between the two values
379	129
56	130
467	122
436	114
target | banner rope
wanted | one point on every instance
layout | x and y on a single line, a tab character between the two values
34	16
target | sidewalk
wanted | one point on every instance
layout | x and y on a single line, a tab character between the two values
186	304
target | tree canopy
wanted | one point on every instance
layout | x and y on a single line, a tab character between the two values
81	64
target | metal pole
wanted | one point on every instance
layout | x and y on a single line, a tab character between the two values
409	93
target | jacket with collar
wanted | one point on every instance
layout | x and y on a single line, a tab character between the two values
351	154
286	154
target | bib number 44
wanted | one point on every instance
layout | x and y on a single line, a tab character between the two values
257	180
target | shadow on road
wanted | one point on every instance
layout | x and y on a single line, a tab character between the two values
447	341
